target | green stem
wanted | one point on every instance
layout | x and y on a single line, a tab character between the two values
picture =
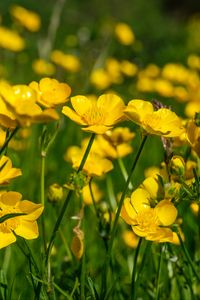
83	271
42	196
124	172
159	272
93	200
187	255
134	277
8	139
104	278
69	195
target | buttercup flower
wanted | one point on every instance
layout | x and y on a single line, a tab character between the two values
162	122
29	19
146	221
124	34
42	67
50	92
11	40
24	224
20	101
86	194
7	172
69	62
96	116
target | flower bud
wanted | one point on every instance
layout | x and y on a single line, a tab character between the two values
177	165
55	192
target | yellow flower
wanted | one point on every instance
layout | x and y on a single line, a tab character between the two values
42	67
69	62
95	165
86	194
7	172
97	116
50	92
114	143
11	40
24	224
130	238
29	19
20	101
55	193
100	79
162	122
124	34
128	68
146	221
7	118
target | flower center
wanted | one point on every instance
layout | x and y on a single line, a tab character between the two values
147	220
94	116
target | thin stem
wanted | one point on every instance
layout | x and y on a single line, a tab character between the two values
69	195
134	277
124	171
187	255
108	257
8	139
42	196
83	271
159	272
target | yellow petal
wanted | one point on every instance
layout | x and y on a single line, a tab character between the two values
128	213
27	229
32	210
99	129
67	111
77	246
140	199
6	239
10	198
81	104
137	110
166	212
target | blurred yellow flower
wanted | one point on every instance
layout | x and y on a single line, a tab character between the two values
97	116
11	40
124	34
24	224
152	223
100	79
42	67
162	122
55	193
130	238
69	62
128	68
86	194
50	92
29	19
7	172
2	137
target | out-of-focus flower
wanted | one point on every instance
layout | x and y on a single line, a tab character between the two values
24	224
51	92
42	67
11	40
130	238
86	194
95	165
152	223
69	62
163	87
124	34
175	72
96	116
128	68
112	67
7	172
114	143
191	108
28	19
100	79
162	122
